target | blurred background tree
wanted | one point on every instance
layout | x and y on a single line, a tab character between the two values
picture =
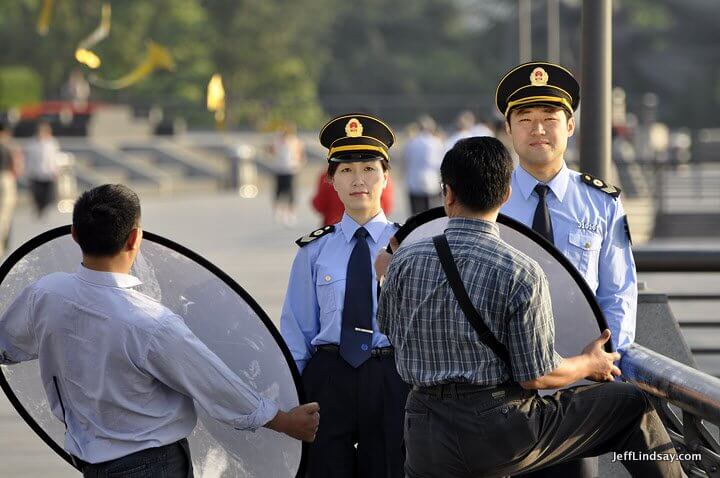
304	60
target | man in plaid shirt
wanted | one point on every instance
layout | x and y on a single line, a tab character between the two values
470	413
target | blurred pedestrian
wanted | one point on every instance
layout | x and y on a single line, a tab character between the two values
11	166
464	123
289	153
423	155
42	167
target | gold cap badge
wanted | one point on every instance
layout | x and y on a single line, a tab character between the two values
353	128
539	77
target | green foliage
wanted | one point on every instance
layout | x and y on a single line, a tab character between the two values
304	60
19	86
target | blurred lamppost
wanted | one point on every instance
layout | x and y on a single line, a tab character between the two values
525	30
596	82
553	31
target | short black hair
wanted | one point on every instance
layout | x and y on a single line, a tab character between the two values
104	217
478	170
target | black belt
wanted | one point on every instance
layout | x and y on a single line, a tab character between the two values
460	389
376	352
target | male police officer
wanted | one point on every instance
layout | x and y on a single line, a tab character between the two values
581	215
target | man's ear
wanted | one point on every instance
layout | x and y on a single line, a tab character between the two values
450	198
571	126
508	129
73	233
134	239
507	194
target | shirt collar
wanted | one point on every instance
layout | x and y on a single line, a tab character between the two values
108	279
375	226
466	224
558	185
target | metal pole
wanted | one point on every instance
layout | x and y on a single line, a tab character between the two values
525	30
596	80
553	33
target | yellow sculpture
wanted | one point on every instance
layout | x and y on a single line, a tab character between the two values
157	57
43	24
83	54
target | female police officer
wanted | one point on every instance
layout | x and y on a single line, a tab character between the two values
328	319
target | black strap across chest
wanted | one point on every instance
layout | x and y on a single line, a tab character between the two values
473	316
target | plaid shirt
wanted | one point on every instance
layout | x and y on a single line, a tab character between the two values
434	341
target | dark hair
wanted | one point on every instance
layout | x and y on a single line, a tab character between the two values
333	165
478	171
104	217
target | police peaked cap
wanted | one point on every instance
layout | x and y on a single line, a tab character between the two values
356	137
537	83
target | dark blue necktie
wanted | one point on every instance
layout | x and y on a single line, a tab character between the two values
356	334
541	222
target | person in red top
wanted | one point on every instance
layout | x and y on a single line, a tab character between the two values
328	204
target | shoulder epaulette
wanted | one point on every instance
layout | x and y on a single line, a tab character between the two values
601	185
316	234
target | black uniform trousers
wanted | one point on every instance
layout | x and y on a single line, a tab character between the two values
507	431
362	406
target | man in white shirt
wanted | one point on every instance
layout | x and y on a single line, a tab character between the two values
120	369
42	167
423	155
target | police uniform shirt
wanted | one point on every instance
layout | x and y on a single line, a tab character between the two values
312	313
589	228
127	368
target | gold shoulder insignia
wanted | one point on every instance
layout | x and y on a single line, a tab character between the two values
601	185
318	233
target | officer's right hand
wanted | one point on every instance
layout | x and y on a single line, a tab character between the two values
300	422
601	364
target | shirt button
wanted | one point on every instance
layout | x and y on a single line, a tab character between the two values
328	278
504	410
587	245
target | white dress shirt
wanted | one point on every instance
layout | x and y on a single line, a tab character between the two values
127	368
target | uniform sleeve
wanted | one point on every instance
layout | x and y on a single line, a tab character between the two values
617	279
17	340
531	330
299	321
177	358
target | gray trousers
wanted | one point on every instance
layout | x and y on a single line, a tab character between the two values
169	461
492	434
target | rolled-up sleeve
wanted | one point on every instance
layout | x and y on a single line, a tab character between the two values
17	340
176	357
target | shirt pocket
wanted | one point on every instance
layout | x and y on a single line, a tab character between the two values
330	289
584	251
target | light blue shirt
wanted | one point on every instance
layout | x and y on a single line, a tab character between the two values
423	156
127	368
589	229
312	313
